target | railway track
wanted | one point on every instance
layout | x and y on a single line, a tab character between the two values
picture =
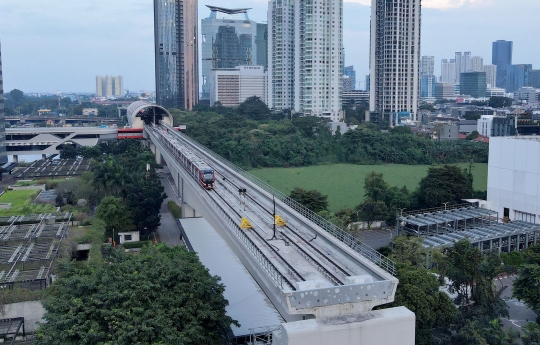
329	268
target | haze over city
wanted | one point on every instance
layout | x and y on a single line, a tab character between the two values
59	45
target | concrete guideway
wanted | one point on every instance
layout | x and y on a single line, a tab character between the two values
315	273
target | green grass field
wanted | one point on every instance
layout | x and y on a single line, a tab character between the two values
344	183
21	203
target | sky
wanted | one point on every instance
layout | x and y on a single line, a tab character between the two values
60	45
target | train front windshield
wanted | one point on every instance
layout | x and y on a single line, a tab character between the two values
208	175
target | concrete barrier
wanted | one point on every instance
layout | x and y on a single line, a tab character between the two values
32	312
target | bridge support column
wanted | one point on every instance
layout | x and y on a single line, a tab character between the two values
158	156
15	159
43	157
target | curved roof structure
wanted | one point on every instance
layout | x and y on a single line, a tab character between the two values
228	10
140	113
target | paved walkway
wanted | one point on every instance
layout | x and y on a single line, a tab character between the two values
168	230
378	237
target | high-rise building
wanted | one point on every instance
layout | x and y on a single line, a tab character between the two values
473	84
348	84
448	71
176	53
395	59
427	65
427	86
234	85
305	48
444	91
3	156
501	55
517	76
351	73
476	64
227	42
109	86
463	64
491	74
534	78
262	45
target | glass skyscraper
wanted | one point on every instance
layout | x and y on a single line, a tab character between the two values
227	43
176	53
473	84
501	56
3	156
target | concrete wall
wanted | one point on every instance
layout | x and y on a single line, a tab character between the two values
31	311
394	326
514	176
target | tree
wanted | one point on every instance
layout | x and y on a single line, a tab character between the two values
116	216
68	151
16	96
472	136
418	290
447	184
472	115
500	102
254	108
531	334
162	296
375	186
371	210
527	283
311	199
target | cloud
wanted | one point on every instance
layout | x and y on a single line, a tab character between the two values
436	4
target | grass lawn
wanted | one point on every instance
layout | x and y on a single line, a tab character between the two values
21	203
344	183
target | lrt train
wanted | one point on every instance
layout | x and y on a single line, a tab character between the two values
194	165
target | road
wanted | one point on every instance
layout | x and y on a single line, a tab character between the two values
520	314
168	230
378	237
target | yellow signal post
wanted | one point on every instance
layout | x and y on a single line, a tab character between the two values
279	221
245	224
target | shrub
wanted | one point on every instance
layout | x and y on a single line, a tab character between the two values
175	209
139	244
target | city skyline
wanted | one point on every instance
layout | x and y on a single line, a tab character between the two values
71	51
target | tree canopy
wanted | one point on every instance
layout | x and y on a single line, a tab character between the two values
446	184
311	199
162	296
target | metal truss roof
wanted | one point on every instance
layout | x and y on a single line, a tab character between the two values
479	234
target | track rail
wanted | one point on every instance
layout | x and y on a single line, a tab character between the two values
301	250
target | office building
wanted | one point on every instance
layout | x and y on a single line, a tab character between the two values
305	50
517	76
233	86
473	84
527	95
261	41
109	86
351	73
501	56
444	91
448	71
495	126
348	84
427	65
3	155
229	39
476	64
534	78
176	53
427	86
395	59
495	92
491	75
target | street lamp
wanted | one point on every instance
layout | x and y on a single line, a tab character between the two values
445	203
401	211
